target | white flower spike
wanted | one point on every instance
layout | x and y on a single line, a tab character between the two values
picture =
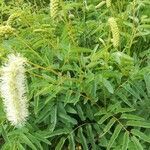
13	90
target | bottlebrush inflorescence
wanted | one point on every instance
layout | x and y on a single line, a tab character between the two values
13	89
54	9
6	30
115	31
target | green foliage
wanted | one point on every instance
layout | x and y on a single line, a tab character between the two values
83	93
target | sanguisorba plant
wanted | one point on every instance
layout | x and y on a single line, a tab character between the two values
87	82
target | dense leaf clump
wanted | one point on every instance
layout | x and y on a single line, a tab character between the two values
88	73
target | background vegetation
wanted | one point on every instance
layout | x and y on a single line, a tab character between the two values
83	93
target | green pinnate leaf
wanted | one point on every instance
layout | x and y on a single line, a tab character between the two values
110	124
131	117
108	85
91	136
125	141
114	136
71	142
104	118
137	143
140	135
25	140
138	124
82	139
60	144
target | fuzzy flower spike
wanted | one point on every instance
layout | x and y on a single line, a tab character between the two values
13	90
54	9
115	31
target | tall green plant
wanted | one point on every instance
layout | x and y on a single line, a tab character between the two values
83	92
